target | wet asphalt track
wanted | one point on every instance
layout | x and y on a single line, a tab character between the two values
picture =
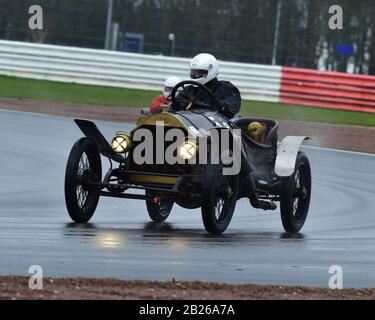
122	243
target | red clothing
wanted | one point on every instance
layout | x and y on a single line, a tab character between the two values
156	106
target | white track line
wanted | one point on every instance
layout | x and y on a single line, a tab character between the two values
340	151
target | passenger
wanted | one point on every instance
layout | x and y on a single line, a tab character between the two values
164	100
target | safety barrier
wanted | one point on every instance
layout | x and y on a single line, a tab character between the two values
332	90
125	70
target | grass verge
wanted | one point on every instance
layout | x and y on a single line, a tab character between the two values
107	96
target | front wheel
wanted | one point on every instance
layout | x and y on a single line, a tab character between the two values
295	196
219	198
82	180
158	212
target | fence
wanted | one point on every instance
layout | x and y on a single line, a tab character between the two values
126	70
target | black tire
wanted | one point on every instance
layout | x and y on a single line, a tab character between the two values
83	169
219	198
158	213
295	196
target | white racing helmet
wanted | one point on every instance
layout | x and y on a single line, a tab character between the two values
169	84
203	68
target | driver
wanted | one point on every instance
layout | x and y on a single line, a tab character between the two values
226	98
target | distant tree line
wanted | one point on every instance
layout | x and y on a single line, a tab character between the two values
236	30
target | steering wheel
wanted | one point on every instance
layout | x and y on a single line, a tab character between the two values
191	98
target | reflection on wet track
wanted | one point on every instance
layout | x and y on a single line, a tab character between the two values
122	243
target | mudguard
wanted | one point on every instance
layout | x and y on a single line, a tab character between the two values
287	155
90	130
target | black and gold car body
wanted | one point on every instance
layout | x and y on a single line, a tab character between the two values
180	183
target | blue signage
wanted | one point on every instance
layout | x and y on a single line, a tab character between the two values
133	42
345	49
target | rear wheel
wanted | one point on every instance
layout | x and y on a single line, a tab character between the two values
82	180
219	198
295	196
158	210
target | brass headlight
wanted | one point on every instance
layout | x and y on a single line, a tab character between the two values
187	150
121	143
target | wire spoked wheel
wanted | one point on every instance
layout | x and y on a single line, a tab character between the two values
219	198
295	196
82	180
158	212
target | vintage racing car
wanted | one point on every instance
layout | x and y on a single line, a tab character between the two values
280	173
